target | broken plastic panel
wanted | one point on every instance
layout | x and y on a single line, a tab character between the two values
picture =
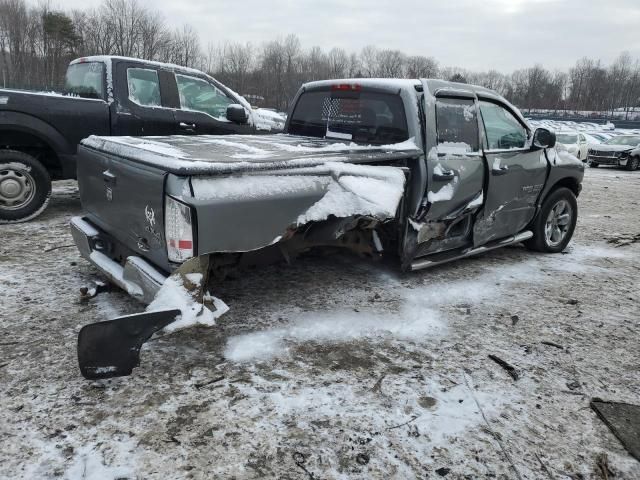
112	348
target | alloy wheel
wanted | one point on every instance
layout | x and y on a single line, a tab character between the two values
558	223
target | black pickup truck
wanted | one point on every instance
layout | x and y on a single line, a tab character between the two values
40	132
421	171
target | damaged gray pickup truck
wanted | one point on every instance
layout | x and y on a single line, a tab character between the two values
426	171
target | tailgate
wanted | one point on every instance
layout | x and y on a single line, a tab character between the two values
126	200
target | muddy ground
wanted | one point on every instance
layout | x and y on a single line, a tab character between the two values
335	367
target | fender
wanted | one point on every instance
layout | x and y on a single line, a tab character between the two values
40	129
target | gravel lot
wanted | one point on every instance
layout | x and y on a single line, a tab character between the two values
335	368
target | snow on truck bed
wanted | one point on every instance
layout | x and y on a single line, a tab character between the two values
210	154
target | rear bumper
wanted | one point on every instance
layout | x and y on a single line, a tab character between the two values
137	277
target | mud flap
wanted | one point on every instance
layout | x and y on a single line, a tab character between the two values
112	348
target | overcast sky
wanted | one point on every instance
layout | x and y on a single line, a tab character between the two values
473	34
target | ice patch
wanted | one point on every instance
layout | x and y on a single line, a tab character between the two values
89	463
415	321
418	319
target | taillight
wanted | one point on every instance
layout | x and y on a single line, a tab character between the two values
178	229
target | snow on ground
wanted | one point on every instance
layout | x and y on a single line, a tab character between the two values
334	367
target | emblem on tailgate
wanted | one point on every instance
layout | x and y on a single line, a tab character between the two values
150	215
109	193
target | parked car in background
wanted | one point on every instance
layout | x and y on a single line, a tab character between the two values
622	151
39	132
575	143
269	119
599	136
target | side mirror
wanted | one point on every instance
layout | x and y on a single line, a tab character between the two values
543	138
236	113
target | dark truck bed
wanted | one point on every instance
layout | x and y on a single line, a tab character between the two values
244	192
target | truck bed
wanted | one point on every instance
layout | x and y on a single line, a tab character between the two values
212	154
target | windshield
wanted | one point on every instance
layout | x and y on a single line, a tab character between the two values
631	141
85	80
567	138
355	115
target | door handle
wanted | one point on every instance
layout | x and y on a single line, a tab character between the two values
500	171
108	177
450	175
187	126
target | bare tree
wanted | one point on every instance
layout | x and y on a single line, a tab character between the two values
338	63
419	66
369	61
391	63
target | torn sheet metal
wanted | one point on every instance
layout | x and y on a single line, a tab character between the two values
251	211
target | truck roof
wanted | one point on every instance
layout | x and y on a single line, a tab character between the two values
382	83
434	84
107	59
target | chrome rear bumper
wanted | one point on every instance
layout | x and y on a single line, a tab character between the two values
137	277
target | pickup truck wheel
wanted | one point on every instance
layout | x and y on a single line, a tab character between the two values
25	187
593	164
632	163
554	225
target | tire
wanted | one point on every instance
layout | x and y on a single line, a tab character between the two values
594	164
552	229
632	164
25	187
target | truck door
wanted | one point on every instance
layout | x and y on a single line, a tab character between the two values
455	173
140	106
516	174
203	108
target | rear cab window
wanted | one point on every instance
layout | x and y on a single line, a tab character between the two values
144	87
457	126
86	80
354	114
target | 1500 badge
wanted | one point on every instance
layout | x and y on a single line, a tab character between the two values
532	188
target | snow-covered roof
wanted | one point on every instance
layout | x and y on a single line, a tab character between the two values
109	58
366	82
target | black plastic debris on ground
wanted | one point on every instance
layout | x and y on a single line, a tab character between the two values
623	420
510	369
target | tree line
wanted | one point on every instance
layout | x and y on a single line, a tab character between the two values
37	43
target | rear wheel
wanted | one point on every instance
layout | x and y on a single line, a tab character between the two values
594	164
25	187
632	163
555	223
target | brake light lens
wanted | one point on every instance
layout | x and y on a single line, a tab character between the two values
348	87
178	229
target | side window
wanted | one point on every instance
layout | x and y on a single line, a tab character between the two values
144	87
503	130
200	95
457	125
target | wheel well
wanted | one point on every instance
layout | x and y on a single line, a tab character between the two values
568	182
34	146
